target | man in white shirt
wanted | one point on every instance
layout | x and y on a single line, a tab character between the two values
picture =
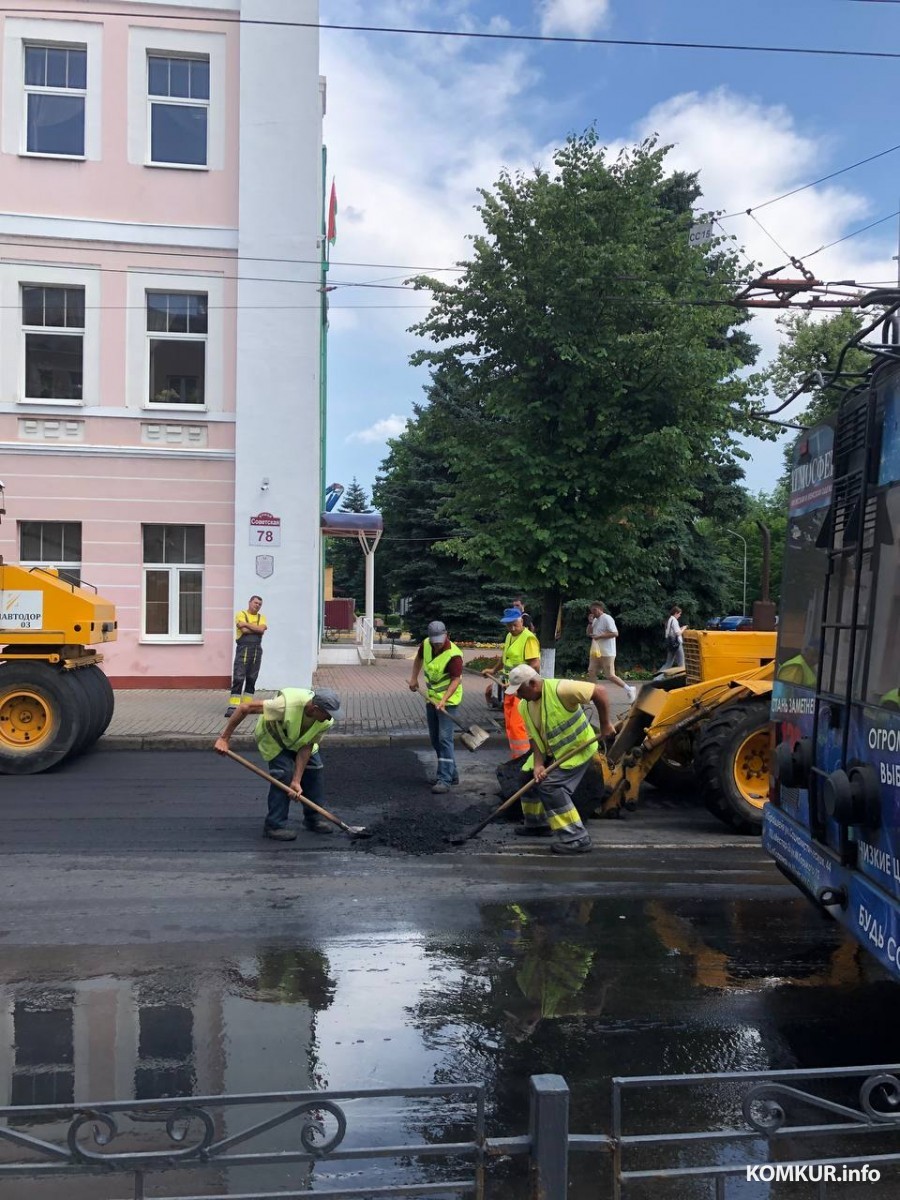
602	631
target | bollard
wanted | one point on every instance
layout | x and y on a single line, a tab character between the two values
549	1134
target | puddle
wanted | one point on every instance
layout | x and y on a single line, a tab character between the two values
584	988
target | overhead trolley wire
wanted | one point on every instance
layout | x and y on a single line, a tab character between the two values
746	212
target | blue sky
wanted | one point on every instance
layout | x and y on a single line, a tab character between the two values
415	125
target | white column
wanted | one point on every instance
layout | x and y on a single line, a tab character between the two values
370	598
277	431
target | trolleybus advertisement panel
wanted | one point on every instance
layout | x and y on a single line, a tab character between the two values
875	739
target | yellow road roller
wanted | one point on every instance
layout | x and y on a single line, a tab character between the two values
55	700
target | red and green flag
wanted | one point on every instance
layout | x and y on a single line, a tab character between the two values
332	216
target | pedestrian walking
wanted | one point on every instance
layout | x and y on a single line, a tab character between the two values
519	603
674	639
249	627
603	632
521	646
288	731
557	724
442	661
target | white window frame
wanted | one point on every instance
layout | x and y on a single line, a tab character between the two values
178	101
174	571
13	275
175	43
156	335
137	384
33	89
54	331
62	565
21	31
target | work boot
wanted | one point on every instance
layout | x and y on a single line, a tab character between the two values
582	846
440	787
279	835
532	831
317	825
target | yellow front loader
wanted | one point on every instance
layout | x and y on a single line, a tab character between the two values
55	700
703	729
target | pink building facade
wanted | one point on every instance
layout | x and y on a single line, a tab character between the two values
160	223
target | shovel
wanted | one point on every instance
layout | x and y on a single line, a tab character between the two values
353	831
465	837
473	736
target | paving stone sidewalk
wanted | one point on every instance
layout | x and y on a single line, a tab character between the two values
378	707
377	702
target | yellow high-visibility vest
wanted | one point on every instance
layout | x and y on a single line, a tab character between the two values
561	729
436	675
287	734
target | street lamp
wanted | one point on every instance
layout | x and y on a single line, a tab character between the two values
734	533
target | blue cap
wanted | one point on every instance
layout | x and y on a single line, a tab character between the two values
510	614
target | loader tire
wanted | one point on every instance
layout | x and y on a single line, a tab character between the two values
733	765
40	720
675	771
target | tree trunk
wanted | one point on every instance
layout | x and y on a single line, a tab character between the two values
550	600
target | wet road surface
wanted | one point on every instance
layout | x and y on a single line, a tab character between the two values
152	943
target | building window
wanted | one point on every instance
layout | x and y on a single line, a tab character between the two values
54	362
52	544
173	582
55	93
178	90
177	328
43	1070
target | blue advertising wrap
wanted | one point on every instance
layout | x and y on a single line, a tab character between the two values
870	915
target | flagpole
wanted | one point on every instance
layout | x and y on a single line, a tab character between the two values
323	380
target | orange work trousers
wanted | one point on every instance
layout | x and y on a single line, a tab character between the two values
517	734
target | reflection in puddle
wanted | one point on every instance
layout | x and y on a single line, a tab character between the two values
584	988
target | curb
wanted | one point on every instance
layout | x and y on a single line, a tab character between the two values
204	741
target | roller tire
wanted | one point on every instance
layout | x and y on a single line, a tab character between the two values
96	679
56	720
717	760
92	704
88	712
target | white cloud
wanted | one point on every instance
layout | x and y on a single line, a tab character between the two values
747	153
391	426
416	125
573	18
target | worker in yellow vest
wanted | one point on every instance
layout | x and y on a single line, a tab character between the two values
249	627
442	661
520	646
557	725
288	732
797	670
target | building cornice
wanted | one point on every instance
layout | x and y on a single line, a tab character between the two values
74	448
131	233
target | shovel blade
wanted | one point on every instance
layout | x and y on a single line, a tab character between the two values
474	737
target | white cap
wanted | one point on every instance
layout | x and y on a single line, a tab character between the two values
519	675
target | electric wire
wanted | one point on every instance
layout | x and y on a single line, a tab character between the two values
471	34
746	212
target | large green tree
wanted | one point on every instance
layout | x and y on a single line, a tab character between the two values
811	344
597	360
411	491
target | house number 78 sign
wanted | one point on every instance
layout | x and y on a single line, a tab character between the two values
265	530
